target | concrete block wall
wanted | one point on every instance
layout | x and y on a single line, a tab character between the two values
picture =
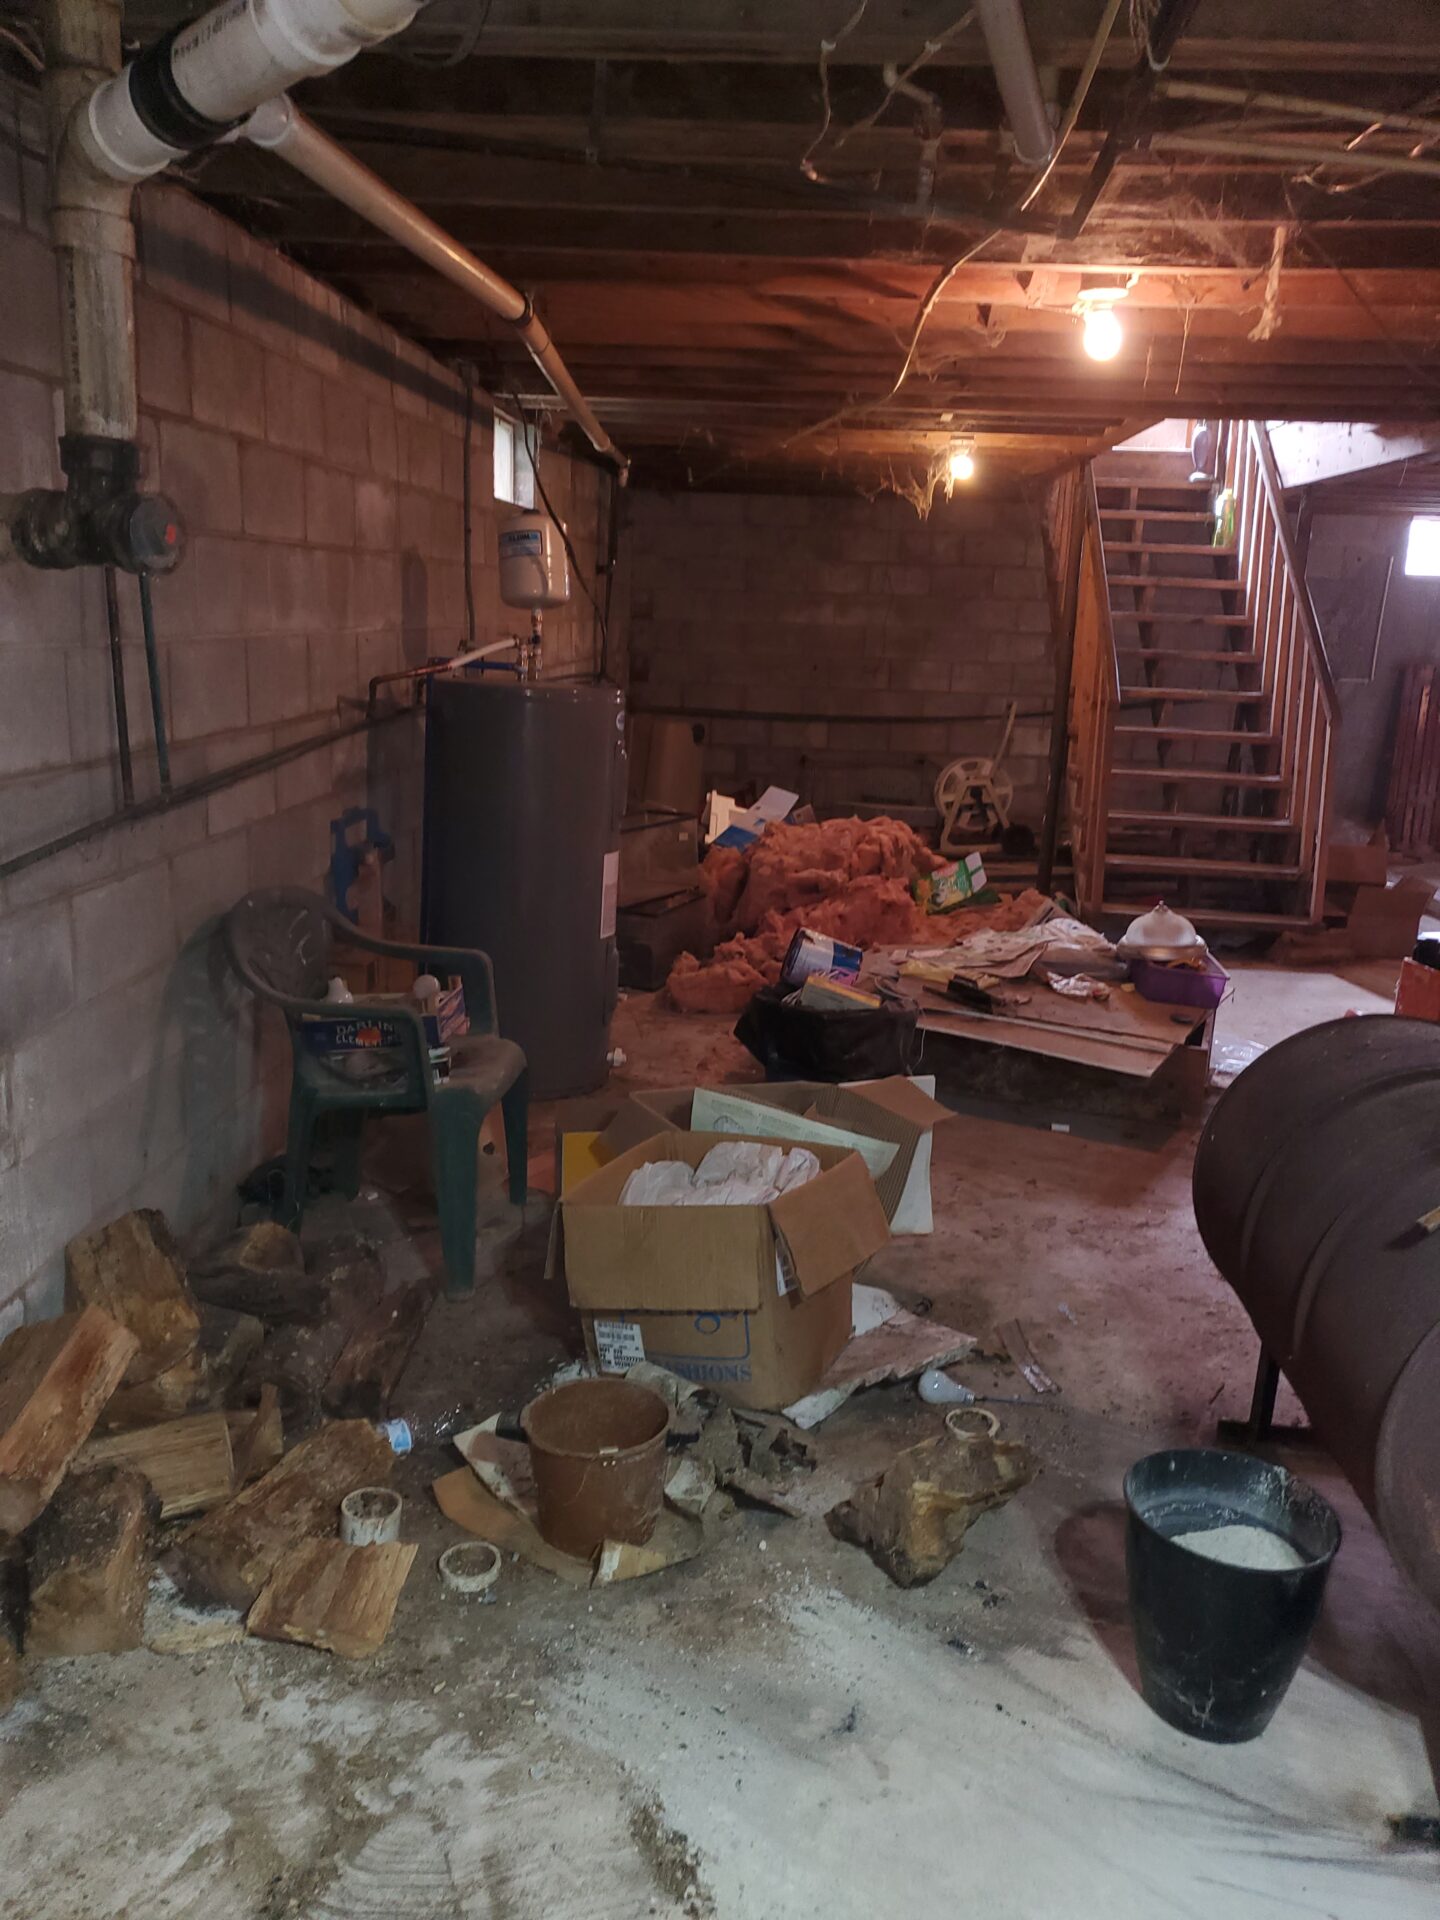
317	459
847	649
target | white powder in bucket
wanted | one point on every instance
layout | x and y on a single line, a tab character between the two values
1243	1546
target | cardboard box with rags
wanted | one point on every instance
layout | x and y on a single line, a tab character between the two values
896	1109
699	1289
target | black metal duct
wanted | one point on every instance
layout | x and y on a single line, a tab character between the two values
1313	1180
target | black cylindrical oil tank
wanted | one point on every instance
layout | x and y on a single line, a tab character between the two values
524	790
1314	1180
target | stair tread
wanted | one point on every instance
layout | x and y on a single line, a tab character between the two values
1221	916
1246	696
1219	655
1172	775
1192	583
1196	549
1230	735
1156	513
1205	822
1168	618
1186	863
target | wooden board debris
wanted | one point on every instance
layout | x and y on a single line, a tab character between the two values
297	1361
173	1625
55	1377
371	1362
206	1377
10	1672
89	1564
188	1462
257	1437
132	1269
229	1345
261	1271
230	1554
183	1388
12	1614
325	1594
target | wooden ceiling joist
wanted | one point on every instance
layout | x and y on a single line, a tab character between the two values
638	169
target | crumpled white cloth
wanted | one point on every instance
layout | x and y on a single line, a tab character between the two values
736	1173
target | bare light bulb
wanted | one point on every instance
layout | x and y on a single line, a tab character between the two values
962	465
1103	336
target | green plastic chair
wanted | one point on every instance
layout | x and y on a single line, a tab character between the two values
280	943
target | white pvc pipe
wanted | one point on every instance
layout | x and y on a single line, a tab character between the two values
220	68
1003	24
280	127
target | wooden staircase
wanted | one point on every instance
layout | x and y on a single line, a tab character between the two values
1202	708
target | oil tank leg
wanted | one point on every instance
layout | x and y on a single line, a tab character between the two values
515	1106
454	1147
1260	1423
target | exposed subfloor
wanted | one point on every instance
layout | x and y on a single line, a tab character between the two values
774	1731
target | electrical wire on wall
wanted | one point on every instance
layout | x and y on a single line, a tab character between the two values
531	443
937	287
467	374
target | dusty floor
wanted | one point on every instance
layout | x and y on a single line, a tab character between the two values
774	1732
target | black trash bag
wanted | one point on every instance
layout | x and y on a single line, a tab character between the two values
825	1043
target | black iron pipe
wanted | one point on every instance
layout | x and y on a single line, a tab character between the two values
157	695
1315	1181
117	683
199	789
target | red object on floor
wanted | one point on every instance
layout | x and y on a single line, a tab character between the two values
1418	993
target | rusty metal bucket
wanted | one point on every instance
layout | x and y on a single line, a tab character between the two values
597	1450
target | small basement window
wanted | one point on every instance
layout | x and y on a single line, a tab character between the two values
514	475
1422	550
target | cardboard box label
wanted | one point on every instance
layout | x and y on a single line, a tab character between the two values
619	1345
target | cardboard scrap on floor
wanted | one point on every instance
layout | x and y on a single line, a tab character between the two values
325	1594
888	1344
461	1498
503	1469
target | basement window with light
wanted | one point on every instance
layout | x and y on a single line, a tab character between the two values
1422	550
515	446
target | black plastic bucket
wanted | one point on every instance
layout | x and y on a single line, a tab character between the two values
1218	1643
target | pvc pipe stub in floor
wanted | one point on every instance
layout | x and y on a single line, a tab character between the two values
370	1517
470	1568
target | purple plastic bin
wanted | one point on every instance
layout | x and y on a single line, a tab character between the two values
1181	986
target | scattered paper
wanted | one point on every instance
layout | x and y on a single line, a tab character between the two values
889	1344
712	1112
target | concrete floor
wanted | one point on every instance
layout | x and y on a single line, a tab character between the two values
774	1731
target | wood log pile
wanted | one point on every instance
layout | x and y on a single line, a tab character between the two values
143	1442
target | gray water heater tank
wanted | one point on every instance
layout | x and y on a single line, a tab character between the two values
524	791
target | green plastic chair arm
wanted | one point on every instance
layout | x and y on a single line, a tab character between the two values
474	968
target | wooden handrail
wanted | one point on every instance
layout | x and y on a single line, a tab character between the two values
1090	505
1275	496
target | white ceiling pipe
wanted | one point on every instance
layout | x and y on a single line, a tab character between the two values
196	84
1003	24
280	127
